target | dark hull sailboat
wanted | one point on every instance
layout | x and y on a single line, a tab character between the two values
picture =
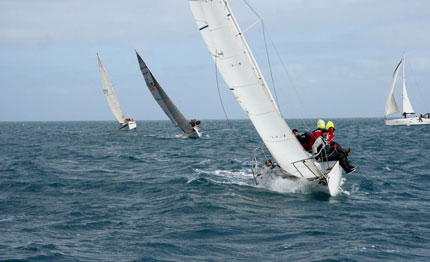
191	128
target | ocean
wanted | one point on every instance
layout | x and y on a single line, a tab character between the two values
83	191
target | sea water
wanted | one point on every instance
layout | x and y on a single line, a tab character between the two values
84	191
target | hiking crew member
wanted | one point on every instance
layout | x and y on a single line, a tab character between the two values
330	129
298	136
304	139
321	147
321	151
317	132
333	144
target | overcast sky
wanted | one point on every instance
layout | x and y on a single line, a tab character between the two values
339	55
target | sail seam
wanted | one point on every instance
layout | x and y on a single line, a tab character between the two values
261	114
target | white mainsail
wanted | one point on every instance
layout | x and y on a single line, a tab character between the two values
240	71
407	107
110	94
391	105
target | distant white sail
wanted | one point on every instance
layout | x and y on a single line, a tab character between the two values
110	94
391	105
240	71
407	107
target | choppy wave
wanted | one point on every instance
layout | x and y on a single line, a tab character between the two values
82	191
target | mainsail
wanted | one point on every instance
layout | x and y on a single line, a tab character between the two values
163	100
110	94
233	57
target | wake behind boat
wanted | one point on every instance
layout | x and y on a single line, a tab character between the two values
235	61
391	105
191	128
124	123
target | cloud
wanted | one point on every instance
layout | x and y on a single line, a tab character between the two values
334	50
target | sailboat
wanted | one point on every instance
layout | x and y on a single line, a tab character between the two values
124	123
233	57
391	105
191	128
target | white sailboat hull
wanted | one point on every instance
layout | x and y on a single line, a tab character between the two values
334	179
329	184
128	126
197	133
407	121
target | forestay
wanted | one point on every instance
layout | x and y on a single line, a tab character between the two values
110	94
162	99
240	71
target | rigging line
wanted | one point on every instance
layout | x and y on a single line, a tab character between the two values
419	88
289	79
225	113
267	53
282	62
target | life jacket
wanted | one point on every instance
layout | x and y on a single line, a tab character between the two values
330	138
315	134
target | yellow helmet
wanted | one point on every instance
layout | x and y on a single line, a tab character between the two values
329	124
321	124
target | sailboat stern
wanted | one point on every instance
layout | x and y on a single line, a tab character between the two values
197	131
132	125
331	179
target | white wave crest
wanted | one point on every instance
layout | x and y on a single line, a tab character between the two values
290	186
240	177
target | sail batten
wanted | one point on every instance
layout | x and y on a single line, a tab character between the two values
166	104
240	71
110	94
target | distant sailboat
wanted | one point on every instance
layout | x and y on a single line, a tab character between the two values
191	128
391	105
124	123
233	57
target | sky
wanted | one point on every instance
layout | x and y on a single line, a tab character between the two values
329	58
